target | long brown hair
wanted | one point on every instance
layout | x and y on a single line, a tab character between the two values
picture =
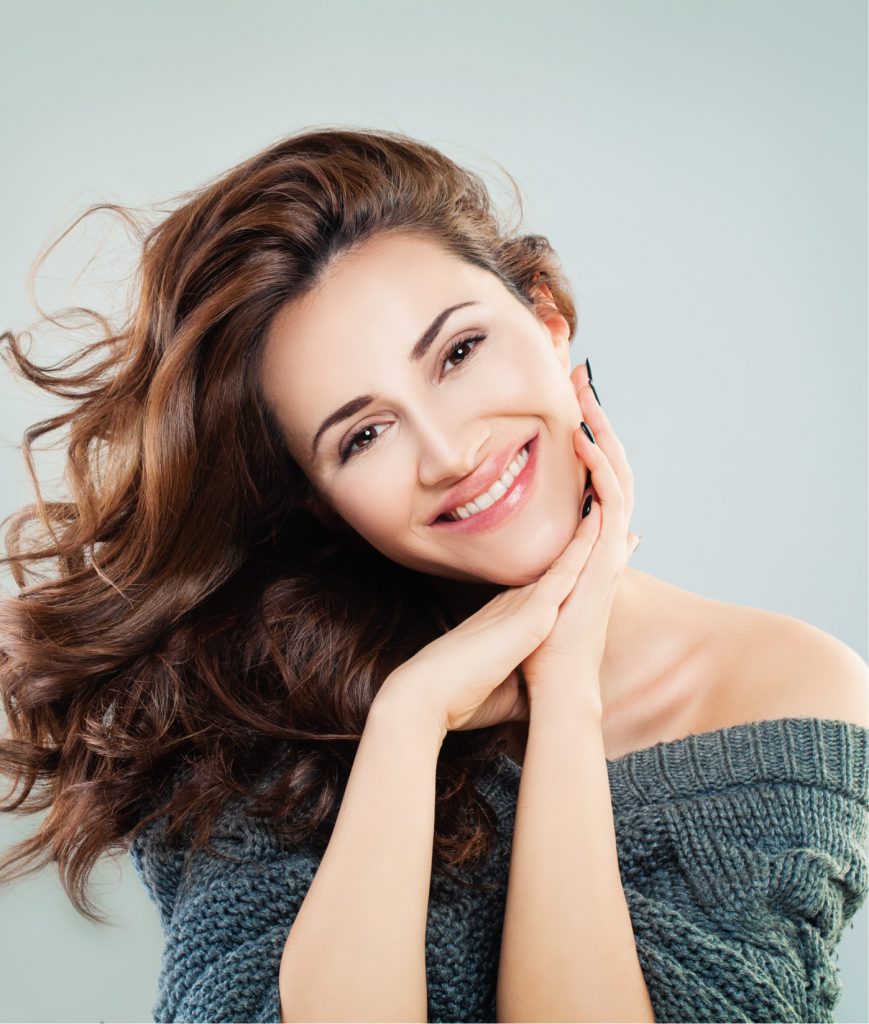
199	620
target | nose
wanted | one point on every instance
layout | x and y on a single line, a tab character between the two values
449	454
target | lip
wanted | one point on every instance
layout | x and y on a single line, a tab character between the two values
492	469
516	496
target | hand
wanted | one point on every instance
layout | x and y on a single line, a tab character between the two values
572	652
467	678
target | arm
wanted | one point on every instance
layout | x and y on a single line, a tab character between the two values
568	949
356	950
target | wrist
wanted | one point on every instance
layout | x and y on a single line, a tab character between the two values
573	697
407	712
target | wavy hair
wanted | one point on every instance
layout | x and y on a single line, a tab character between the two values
199	620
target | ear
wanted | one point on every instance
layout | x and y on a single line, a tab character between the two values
548	314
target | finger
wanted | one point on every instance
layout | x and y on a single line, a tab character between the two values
517	620
606	437
550	590
566	568
608	491
607	486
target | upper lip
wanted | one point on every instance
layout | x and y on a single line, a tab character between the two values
490	469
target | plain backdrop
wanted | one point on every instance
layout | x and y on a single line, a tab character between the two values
701	169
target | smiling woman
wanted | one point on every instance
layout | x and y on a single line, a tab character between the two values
452	410
344	525
212	614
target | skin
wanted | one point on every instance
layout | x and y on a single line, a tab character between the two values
435	424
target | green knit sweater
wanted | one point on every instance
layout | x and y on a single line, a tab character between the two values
742	854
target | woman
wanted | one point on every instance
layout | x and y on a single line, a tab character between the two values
345	651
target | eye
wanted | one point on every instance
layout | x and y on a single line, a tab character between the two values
348	450
460	344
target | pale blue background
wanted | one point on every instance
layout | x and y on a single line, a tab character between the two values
701	168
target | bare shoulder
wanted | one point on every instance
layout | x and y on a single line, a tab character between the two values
782	667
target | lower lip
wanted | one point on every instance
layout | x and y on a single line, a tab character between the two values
516	496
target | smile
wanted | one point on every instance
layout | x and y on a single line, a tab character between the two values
505	496
497	491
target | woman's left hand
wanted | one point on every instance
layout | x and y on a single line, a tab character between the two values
571	655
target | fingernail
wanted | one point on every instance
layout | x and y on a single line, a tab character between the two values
588	368
587	431
594	392
586	508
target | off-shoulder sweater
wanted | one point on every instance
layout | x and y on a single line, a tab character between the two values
742	854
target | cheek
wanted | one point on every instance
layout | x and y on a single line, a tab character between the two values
532	377
567	404
374	505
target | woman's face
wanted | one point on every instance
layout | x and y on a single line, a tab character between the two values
451	419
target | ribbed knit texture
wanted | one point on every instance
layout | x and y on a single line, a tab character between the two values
742	854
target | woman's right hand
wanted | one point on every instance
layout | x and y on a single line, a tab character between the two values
468	677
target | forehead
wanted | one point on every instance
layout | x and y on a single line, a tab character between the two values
344	336
385	278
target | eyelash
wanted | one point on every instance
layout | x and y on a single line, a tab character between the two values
347	451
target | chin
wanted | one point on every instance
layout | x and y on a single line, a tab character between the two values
514	565
526	565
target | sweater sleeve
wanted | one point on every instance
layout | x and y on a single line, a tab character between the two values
742	924
225	917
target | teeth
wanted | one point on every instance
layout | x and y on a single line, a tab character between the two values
497	490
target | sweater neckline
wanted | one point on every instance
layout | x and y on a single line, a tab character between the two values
812	751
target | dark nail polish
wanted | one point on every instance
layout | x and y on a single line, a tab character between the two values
586	508
588	367
594	392
587	431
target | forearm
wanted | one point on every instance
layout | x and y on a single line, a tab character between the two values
356	950
568	951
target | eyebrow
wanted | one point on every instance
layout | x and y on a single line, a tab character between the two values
355	405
